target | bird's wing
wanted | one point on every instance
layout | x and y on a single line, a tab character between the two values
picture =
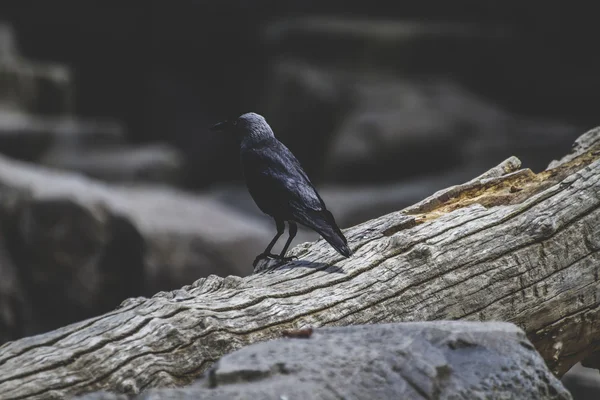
277	181
282	189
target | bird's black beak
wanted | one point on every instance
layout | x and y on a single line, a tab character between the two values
219	127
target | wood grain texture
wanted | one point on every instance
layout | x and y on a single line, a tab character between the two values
510	245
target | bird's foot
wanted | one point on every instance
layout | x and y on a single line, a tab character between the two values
271	256
287	259
262	256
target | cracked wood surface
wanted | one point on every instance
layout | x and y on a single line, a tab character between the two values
509	245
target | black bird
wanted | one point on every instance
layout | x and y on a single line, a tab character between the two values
279	185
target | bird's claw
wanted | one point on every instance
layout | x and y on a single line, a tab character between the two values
263	256
273	257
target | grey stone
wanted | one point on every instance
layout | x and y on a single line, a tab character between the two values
28	137
153	163
36	110
14	314
583	383
31	86
312	108
81	247
381	127
399	45
398	125
396	100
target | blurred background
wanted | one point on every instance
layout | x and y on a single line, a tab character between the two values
112	186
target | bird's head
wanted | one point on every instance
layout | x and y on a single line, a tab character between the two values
249	127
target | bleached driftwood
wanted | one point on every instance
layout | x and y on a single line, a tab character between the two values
509	245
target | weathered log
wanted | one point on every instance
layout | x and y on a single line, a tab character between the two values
509	245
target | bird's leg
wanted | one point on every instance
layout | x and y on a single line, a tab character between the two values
280	230
292	234
267	253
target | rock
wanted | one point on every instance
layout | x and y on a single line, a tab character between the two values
28	137
416	360
22	137
398	124
393	45
82	247
398	98
154	163
75	261
385	127
583	383
36	110
33	87
77	134
14	316
312	108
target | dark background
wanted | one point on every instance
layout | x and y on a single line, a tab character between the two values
383	102
167	69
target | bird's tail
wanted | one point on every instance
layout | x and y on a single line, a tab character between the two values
324	223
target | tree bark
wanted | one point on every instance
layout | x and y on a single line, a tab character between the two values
510	245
